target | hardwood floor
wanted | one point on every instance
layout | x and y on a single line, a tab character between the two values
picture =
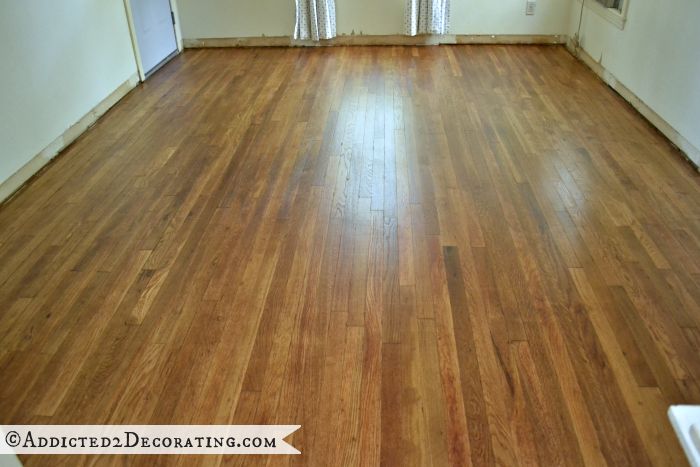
465	255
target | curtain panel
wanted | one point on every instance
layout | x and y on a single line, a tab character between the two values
427	17
315	19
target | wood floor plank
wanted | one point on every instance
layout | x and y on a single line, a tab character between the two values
453	255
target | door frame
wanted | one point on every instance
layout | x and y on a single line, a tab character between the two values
143	74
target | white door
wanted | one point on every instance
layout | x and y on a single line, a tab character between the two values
155	34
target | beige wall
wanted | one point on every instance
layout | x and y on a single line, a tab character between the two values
235	18
656	56
60	59
253	18
508	17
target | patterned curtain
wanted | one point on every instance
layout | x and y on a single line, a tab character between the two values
427	17
315	19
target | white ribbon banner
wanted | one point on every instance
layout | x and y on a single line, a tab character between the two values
146	439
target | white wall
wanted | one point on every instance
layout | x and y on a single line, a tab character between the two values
59	60
656	56
253	18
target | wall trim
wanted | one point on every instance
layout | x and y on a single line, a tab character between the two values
9	187
363	40
687	149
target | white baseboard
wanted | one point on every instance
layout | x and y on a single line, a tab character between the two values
686	147
363	40
18	179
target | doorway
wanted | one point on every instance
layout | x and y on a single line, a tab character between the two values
152	24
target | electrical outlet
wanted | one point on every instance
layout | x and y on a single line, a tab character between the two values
530	7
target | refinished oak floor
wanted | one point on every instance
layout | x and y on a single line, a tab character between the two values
424	256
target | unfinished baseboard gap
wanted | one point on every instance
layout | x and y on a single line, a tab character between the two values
687	150
19	180
366	40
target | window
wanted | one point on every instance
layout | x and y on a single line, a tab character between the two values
615	4
614	11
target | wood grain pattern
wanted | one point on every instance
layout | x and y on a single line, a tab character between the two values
465	255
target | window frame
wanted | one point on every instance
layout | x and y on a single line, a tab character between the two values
616	17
